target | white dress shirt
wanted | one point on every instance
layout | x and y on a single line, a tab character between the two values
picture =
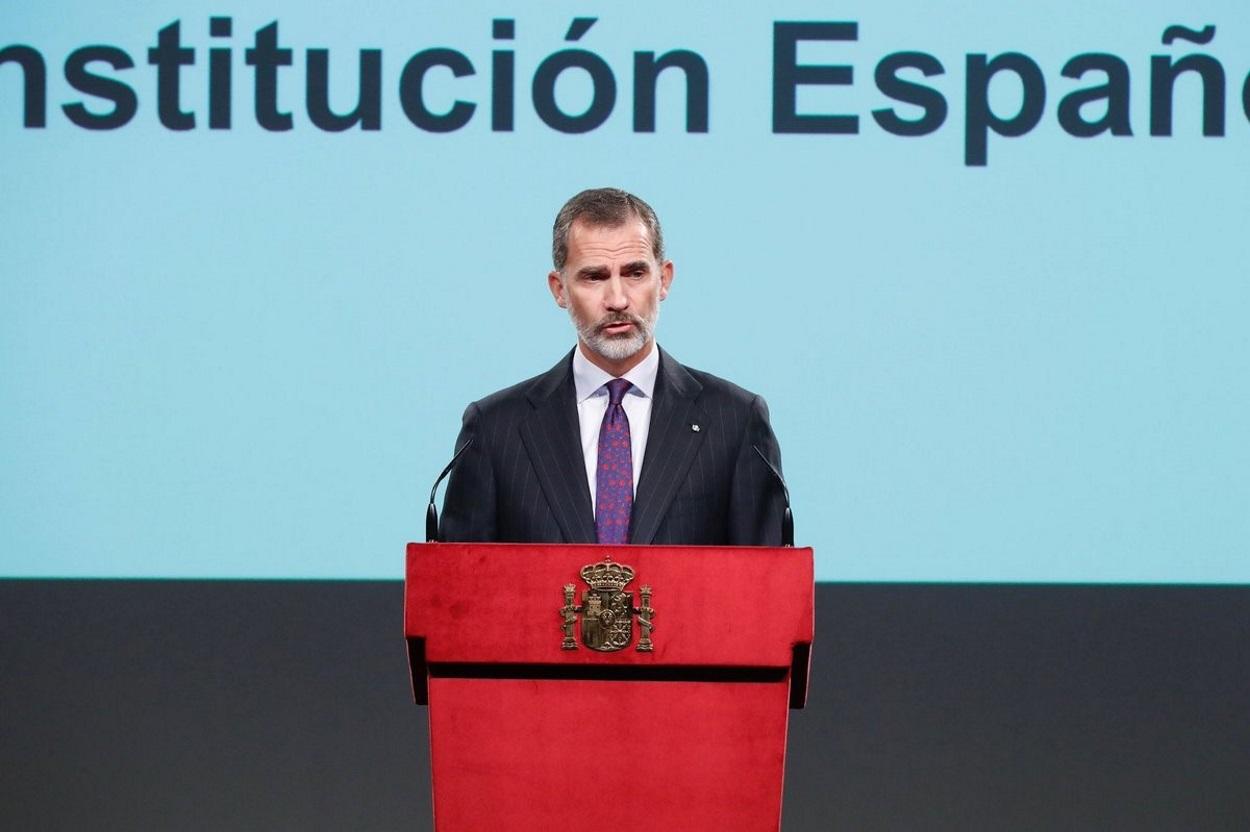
590	382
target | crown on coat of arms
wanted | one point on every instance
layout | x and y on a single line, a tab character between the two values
607	575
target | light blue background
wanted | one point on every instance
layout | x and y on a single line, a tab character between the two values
245	354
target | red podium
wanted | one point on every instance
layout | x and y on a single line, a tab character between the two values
619	687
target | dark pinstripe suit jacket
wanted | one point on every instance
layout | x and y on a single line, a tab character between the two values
523	479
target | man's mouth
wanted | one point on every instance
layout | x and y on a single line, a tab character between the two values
616	327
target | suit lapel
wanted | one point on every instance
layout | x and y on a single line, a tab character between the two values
671	447
551	436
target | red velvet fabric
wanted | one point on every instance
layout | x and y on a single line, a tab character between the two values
680	738
715	606
513	754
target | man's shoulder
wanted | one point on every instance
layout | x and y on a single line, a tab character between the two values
721	386
712	389
520	397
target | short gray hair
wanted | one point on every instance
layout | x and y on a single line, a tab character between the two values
603	208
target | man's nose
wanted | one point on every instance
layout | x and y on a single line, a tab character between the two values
615	297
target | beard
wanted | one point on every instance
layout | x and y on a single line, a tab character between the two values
616	347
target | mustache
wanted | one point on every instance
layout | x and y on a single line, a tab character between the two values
615	318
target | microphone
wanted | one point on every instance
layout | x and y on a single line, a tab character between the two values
431	513
787	519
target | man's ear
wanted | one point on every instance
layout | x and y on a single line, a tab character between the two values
666	278
556	285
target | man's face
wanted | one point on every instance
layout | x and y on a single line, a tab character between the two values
612	286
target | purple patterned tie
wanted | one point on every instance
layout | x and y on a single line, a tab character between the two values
614	478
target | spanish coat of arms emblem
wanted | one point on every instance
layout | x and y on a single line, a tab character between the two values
607	611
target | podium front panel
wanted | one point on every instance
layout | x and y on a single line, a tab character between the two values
533	728
547	755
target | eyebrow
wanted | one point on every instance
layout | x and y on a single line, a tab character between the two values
592	271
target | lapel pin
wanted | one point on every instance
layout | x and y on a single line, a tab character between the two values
694	428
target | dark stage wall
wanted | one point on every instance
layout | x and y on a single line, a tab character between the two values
224	705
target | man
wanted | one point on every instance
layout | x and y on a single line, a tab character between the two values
618	443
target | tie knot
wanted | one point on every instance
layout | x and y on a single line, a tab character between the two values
617	388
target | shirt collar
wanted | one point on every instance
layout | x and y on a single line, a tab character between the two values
588	378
